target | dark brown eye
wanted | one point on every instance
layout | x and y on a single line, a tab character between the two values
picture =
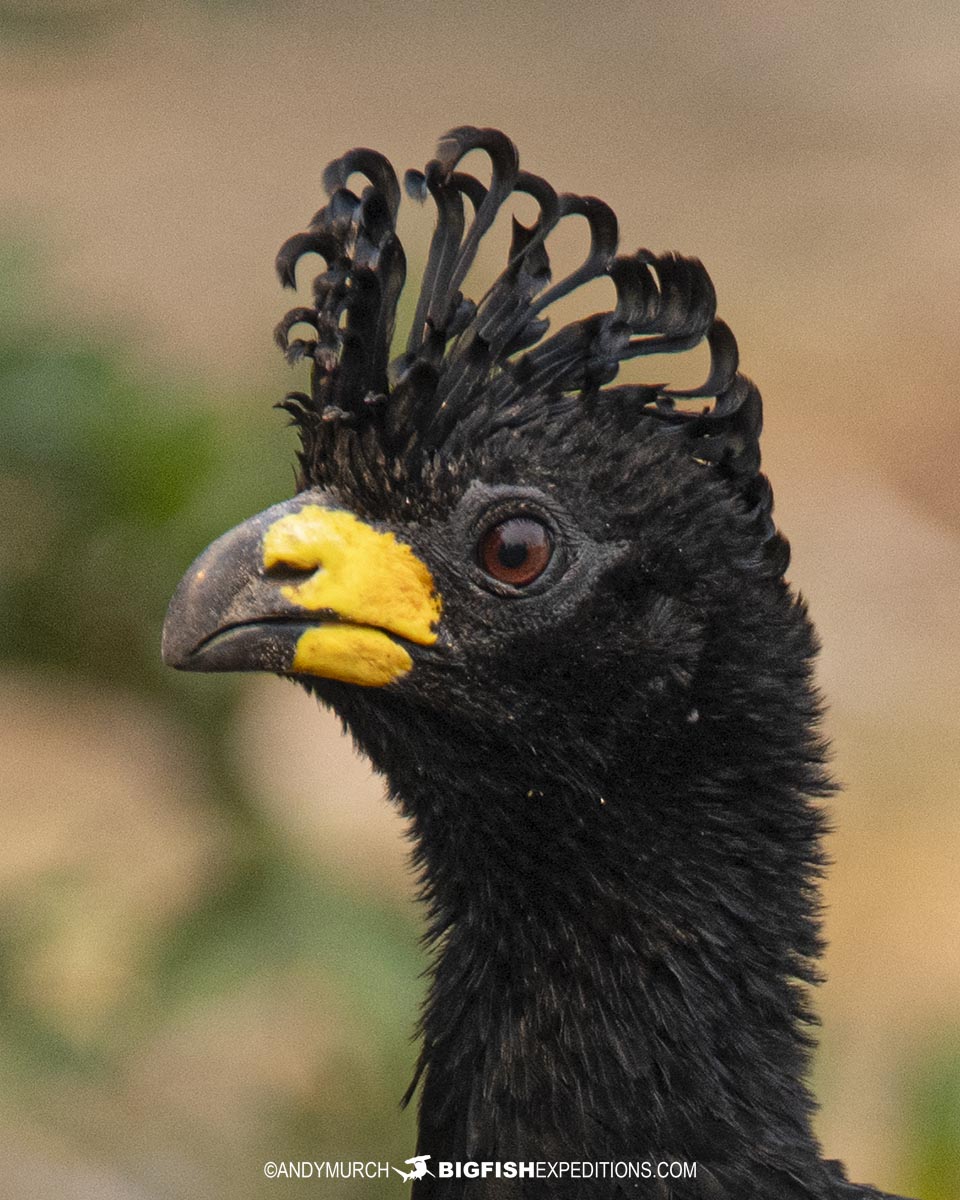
516	551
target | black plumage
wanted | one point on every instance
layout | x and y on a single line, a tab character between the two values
606	733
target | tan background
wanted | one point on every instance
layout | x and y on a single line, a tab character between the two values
810	155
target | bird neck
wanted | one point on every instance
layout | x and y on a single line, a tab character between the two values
623	952
606	980
621	960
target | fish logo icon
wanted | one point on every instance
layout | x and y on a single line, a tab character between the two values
419	1168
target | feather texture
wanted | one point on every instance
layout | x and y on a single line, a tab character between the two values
470	366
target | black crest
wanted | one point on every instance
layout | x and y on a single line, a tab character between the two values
472	366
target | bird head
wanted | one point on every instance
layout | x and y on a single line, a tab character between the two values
490	538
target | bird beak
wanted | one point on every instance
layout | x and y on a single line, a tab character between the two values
303	589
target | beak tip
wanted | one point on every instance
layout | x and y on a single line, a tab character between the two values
190	616
174	652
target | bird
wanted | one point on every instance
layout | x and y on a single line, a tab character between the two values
552	610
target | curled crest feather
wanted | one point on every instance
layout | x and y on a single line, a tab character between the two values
472	366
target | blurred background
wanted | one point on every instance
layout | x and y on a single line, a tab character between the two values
208	945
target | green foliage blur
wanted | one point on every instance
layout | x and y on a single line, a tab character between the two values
932	1139
111	482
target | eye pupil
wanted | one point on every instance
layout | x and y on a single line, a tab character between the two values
512	555
516	550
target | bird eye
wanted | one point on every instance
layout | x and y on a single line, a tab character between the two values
516	551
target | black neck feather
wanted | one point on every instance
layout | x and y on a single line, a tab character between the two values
622	962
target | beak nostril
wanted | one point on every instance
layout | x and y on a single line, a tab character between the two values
284	572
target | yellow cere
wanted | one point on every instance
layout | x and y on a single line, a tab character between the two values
369	579
351	654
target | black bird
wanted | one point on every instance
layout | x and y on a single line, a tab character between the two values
552	611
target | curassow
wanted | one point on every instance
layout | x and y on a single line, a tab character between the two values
553	613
